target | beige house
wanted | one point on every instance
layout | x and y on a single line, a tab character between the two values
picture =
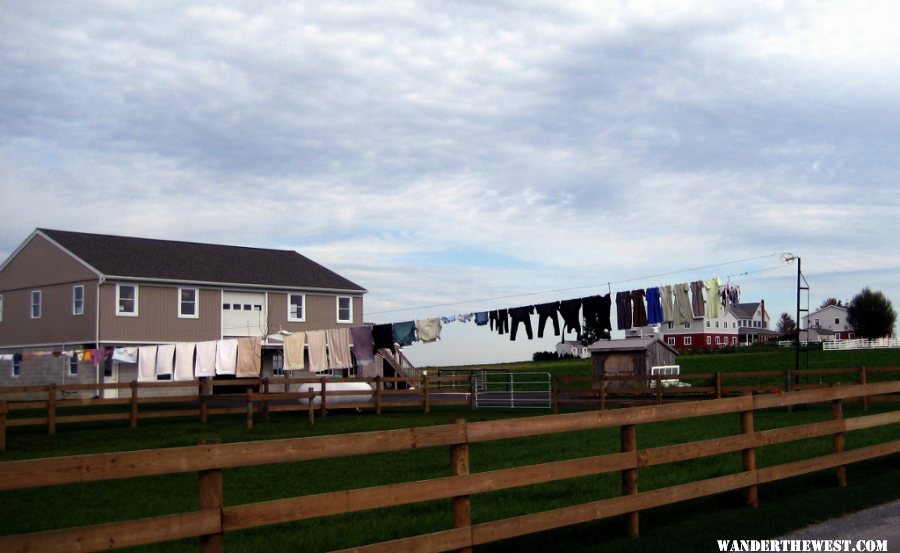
64	291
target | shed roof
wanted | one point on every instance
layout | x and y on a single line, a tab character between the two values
171	260
628	344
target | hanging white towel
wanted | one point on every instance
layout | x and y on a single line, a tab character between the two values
318	361
146	363
206	359
165	359
226	356
125	355
339	348
184	361
294	347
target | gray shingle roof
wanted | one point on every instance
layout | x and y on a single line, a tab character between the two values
122	256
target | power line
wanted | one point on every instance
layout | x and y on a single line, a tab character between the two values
784	255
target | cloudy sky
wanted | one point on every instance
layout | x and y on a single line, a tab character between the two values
459	156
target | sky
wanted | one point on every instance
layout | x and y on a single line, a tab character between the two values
463	156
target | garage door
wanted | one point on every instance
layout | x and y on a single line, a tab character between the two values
244	314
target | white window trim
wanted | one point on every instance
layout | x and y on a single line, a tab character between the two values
75	310
709	340
119	312
670	340
73	362
32	304
196	314
302	317
337	305
13	372
688	341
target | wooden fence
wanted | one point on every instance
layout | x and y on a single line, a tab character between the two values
257	397
213	518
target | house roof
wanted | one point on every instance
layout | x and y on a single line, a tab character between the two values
170	260
745	310
628	344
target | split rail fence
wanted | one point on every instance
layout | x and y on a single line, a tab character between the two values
213	519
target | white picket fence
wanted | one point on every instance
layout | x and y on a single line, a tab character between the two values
837	345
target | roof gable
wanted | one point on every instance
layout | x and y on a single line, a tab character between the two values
170	260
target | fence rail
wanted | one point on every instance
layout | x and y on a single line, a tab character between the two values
838	345
213	519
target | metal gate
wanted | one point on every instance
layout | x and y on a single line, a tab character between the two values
514	390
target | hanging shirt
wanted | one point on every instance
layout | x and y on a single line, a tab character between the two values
294	352
428	330
249	357
226	356
668	308
206	359
146	363
481	318
712	291
125	355
698	302
683	314
404	333
654	306
318	359
339	347
383	335
184	361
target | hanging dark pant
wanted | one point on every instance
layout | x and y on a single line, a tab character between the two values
639	313
521	315
623	310
383	336
569	310
547	311
596	310
500	318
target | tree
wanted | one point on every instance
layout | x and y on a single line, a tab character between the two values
786	324
831	301
871	314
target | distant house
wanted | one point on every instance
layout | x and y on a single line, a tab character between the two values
827	323
741	324
64	291
573	348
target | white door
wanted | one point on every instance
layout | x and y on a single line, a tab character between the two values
244	314
111	376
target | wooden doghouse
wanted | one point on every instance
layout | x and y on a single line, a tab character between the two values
629	357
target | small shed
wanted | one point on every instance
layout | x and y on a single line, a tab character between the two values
630	356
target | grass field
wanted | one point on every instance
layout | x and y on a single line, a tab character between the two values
687	527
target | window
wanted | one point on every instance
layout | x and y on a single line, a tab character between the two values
717	324
687	341
35	304
278	365
718	340
708	324
17	366
126	300
816	322
734	340
78	300
187	303
73	366
670	325
296	311
344	309
837	320
687	325
709	340
733	324
670	340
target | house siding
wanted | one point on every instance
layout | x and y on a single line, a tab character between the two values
321	312
157	319
57	324
40	263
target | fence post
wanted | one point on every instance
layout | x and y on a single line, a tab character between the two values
265	401
603	393
378	387
459	465
472	390
51	409
211	497
751	493
249	408
659	390
322	406
3	410
718	385
628	434
134	403
554	393
837	413
862	380
203	393
425	391
310	405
